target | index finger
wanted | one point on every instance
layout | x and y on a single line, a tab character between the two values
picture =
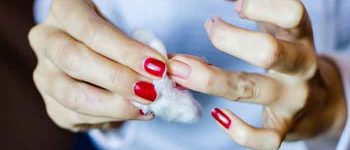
81	20
245	87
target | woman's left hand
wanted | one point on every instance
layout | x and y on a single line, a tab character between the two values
301	92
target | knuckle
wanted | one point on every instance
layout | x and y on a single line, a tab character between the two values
40	80
243	87
33	32
33	36
69	57
114	79
74	99
118	79
37	77
90	30
134	54
209	81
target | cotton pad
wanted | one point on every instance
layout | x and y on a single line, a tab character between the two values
172	103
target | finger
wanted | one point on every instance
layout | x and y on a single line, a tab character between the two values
286	14
66	118
100	126
262	49
84	24
84	98
199	76
286	20
244	134
81	63
71	120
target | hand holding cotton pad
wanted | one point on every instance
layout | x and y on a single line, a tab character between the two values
172	104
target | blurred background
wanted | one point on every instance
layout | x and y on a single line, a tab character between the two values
24	124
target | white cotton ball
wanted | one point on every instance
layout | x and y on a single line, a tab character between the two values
172	104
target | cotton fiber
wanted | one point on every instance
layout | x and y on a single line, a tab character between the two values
172	104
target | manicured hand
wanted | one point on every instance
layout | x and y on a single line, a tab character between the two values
88	71
301	91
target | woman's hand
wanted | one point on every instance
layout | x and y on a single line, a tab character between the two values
88	71
301	92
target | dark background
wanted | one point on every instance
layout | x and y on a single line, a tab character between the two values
24	124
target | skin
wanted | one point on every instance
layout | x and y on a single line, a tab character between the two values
87	68
301	91
85	65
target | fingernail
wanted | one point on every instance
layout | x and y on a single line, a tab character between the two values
154	67
208	25
150	113
179	87
221	117
179	69
239	6
141	112
145	90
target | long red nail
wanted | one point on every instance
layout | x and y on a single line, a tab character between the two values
145	90
154	67
221	117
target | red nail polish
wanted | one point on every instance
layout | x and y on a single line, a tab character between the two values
154	67
145	90
179	87
221	117
141	112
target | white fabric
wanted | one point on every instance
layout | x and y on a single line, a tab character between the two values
172	104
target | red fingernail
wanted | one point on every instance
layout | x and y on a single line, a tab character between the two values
221	117
154	67
145	90
141	112
179	87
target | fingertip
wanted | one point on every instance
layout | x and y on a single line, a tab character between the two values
211	23
208	25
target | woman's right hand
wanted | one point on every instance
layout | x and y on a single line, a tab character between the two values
88	71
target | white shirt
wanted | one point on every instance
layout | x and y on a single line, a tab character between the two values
180	25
